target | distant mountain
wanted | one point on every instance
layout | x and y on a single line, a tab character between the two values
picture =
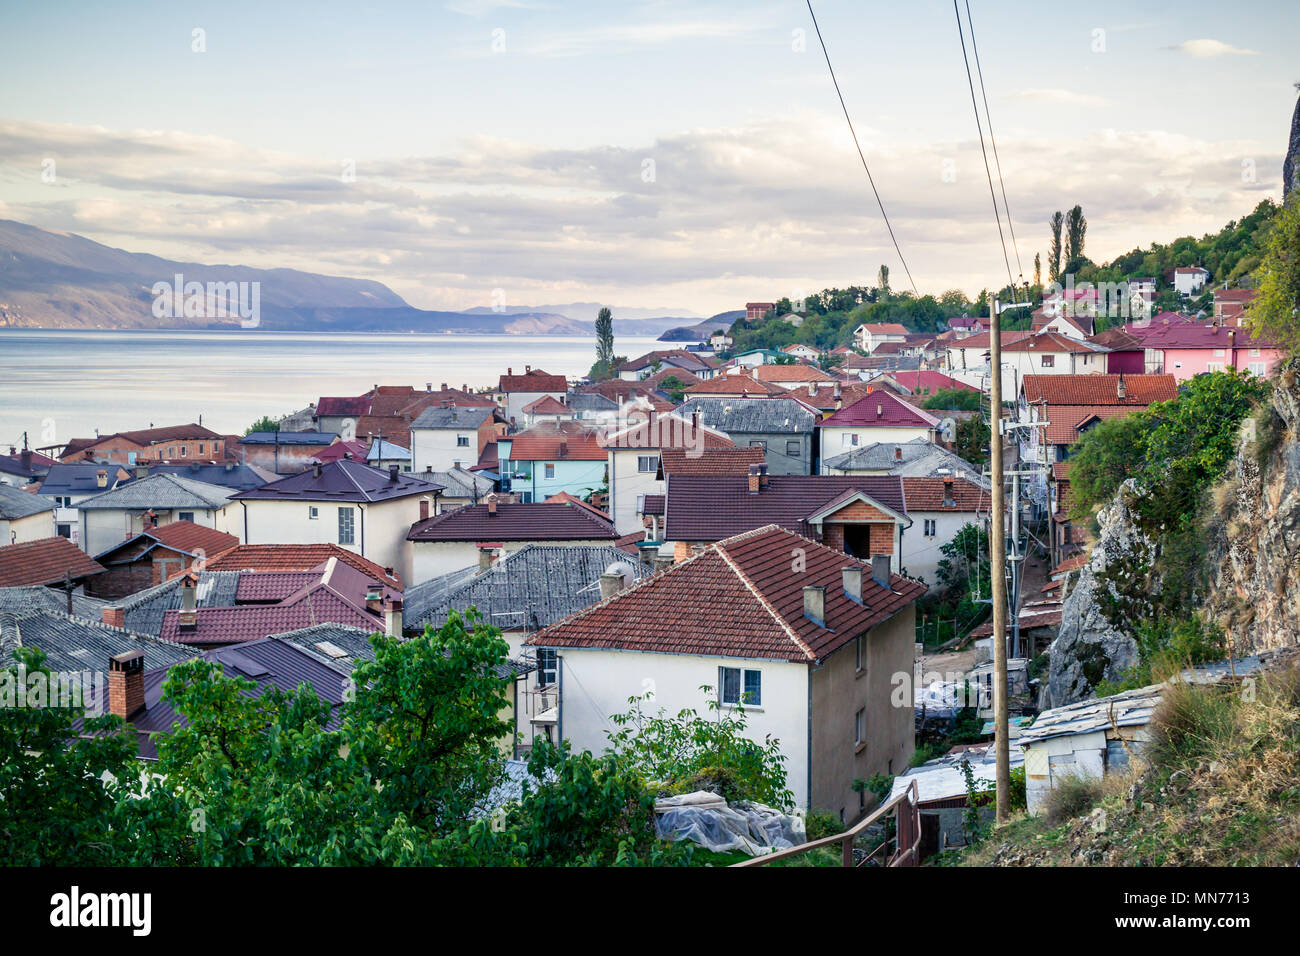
627	320
702	330
56	280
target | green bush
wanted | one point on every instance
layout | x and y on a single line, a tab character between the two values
1073	796
822	823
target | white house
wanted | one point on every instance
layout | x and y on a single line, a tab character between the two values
517	391
110	518
1190	280
939	508
811	657
634	460
363	509
869	337
24	516
1047	353
447	437
804	353
877	417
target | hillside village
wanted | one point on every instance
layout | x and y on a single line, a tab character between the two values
784	536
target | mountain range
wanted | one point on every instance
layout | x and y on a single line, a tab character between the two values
58	280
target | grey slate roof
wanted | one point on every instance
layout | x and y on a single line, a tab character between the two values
459	483
591	402
235	477
288	438
16	504
534	587
342	480
160	491
746	416
353	640
920	459
77	478
78	644
39	599
459	416
145	609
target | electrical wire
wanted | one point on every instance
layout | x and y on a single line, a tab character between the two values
979	127
861	155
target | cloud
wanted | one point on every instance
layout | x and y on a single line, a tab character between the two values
1061	97
759	210
1204	49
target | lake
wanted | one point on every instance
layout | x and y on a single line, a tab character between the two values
58	385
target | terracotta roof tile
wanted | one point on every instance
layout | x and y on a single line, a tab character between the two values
1140	390
534	380
44	561
929	494
711	461
296	557
537	521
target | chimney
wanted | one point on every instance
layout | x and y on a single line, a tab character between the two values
150	520
484	558
755	478
188	618
610	584
662	562
853	583
424	507
101	478
113	616
126	684
492	505
510	371
814	604
1121	390
315	469
26	458
898	453
880	570
762	476
392	472
948	499
393	617
528	370
444	387
375	598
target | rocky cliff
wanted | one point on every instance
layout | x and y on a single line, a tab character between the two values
1253	538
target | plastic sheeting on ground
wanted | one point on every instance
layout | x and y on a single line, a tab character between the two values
707	819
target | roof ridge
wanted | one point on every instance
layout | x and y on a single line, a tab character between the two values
758	595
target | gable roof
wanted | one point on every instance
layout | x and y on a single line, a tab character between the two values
533	380
915	458
738	599
80	478
463	417
712	461
167	492
342	480
883	409
558	441
745	416
1140	390
536	521
546	405
1052	342
236	477
44	561
15	503
39	599
184	537
737	383
929	494
534	587
798	372
713	507
297	557
666	430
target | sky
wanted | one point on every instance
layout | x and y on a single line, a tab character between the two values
688	156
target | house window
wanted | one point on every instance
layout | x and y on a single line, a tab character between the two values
1214	366
347	525
462	441
1254	353
548	666
549	471
647	464
1257	368
930	531
793	448
1218	353
741	686
313	512
200	448
758	444
1048	361
860	726
849	441
187	516
860	653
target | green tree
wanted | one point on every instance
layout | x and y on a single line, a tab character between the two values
604	366
1076	229
882	278
1276	310
1054	250
264	424
971	439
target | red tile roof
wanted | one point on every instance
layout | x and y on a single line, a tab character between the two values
296	557
660	431
342	405
44	561
1069	421
928	380
537	521
735	384
929	494
738	598
711	461
190	538
886	328
562	441
1140	390
546	405
792	373
713	507
880	408
1050	342
534	380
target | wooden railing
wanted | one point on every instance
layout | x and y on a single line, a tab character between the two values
907	836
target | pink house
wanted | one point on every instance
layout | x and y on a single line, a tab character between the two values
1188	350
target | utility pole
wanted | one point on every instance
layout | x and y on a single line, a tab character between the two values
997	562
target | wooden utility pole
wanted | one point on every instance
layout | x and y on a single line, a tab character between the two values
997	562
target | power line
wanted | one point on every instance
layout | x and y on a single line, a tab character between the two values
861	155
988	118
980	129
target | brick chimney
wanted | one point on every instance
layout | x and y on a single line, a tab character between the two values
853	583
393	617
492	505
101	479
126	684
1121	390
392	472
898	453
113	616
755	479
814	604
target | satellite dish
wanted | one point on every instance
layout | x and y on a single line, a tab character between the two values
621	568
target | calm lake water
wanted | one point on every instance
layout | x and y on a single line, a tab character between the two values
62	385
